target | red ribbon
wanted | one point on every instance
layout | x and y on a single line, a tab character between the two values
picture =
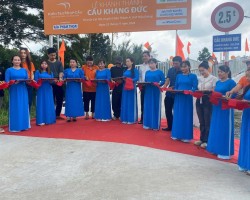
215	97
59	83
34	84
4	85
88	83
198	94
129	84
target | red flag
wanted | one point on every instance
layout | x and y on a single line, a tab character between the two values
179	47
61	51
148	46
213	55
246	46
188	47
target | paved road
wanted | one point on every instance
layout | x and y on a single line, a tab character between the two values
59	169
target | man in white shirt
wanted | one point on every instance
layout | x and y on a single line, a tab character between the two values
142	71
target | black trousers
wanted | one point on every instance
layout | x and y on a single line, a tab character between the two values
58	94
87	97
142	102
204	112
117	101
30	95
169	104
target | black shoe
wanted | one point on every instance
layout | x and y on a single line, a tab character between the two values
166	129
68	120
74	119
140	122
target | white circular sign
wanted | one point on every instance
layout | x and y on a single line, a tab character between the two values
227	17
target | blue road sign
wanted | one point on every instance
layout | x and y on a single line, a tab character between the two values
224	43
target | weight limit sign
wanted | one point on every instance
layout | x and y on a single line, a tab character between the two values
227	17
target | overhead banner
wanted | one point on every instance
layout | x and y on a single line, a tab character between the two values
107	16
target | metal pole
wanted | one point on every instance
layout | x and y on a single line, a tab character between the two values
51	41
175	42
226	53
90	41
112	43
58	47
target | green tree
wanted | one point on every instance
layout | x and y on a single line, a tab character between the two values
100	46
6	55
21	20
126	49
204	54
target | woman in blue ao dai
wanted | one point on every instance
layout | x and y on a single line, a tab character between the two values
244	152
45	108
183	105
102	102
152	97
73	100
221	133
19	118
129	109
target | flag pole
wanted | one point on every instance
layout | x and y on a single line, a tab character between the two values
58	47
176	42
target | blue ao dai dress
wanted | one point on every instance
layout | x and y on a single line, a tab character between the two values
73	100
152	100
19	118
45	108
183	107
244	153
221	134
129	109
102	101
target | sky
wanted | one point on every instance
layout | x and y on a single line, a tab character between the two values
200	35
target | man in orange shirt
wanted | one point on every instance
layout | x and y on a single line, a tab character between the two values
89	91
243	82
29	66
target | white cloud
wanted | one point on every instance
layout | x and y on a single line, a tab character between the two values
199	36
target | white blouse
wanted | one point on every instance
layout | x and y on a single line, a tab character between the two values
207	83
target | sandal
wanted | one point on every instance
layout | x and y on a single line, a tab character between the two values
68	119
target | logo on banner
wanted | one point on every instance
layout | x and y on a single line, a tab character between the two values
65	4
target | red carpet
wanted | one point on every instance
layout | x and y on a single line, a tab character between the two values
115	131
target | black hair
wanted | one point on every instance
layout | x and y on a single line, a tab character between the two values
177	59
51	50
226	69
74	59
187	63
153	60
133	66
118	60
89	58
48	68
146	52
102	60
204	64
16	56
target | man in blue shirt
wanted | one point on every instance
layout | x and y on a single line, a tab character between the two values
170	82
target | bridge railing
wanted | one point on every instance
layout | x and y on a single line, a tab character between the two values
237	66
